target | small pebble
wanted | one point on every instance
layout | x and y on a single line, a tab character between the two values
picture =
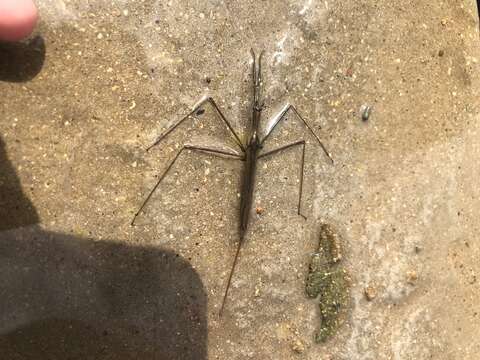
370	292
365	111
412	276
259	210
298	346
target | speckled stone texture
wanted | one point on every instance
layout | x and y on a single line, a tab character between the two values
80	103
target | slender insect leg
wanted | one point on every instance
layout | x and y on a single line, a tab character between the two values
302	168
215	152
214	104
281	116
191	113
257	78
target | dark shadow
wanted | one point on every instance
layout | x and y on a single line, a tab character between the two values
15	209
21	61
478	9
65	297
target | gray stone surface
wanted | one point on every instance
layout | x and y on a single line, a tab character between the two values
403	191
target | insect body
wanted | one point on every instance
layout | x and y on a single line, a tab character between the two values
251	153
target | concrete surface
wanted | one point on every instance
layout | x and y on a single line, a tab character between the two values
80	104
